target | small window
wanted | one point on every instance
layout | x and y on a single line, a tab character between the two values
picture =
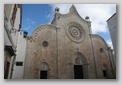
101	50
45	43
19	63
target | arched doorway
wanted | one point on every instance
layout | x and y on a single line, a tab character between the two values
44	70
80	67
104	69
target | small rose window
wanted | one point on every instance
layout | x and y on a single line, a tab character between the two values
45	43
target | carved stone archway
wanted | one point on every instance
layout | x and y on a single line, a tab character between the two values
80	61
44	70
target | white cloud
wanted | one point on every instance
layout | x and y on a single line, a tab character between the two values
64	8
28	24
109	42
30	21
26	28
48	16
98	13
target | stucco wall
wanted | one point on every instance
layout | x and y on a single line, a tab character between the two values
18	71
11	36
113	30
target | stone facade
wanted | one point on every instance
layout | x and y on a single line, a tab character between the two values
66	49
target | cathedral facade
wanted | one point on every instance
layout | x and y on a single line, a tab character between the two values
67	49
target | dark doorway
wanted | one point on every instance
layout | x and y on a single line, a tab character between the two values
43	74
105	74
78	71
6	70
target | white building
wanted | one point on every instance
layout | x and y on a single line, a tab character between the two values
112	21
12	26
113	30
18	72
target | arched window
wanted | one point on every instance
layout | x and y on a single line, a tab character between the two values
101	50
77	60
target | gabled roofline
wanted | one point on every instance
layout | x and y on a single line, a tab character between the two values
71	10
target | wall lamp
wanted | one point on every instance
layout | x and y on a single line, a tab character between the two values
25	34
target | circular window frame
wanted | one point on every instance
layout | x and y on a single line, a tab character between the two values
45	43
78	27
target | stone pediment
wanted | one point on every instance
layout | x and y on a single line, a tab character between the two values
72	12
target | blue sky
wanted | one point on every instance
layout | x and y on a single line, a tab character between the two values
34	15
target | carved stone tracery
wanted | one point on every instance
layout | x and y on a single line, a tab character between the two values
75	32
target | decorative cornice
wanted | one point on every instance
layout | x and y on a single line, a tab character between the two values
75	32
40	28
